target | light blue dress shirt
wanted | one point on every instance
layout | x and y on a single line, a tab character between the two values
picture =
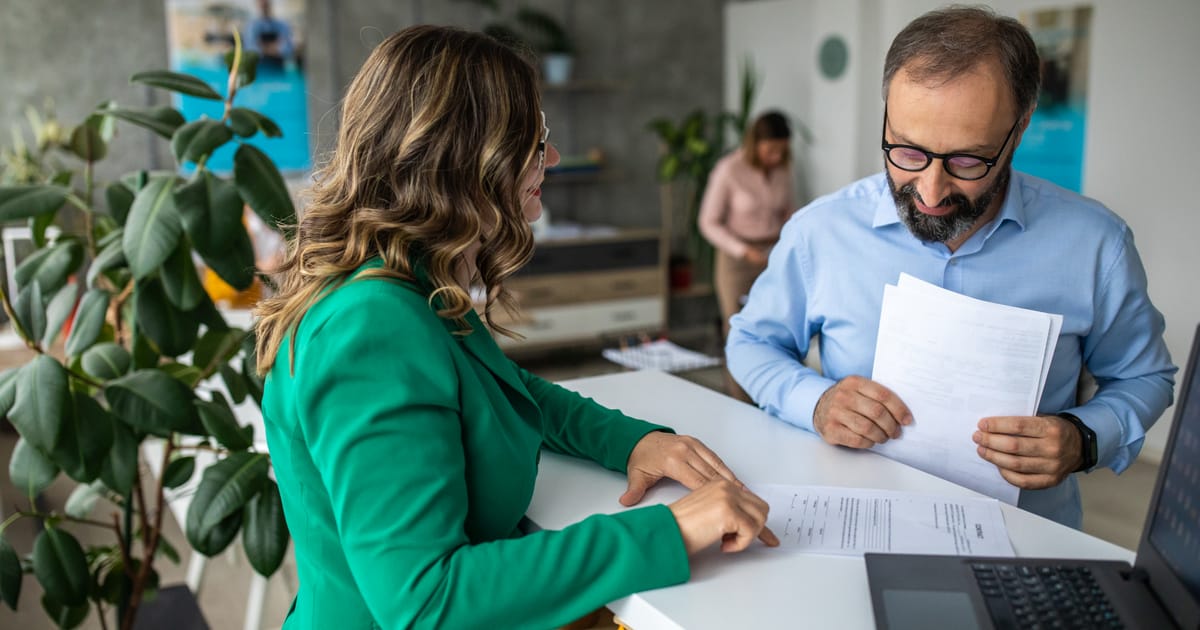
1049	249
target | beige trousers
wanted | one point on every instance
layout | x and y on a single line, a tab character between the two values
733	278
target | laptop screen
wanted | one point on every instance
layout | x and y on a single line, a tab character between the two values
1175	524
1170	549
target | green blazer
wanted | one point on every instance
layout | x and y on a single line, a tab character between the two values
406	457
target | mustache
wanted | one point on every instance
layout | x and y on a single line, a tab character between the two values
909	192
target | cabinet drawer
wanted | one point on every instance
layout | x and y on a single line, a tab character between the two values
598	286
573	257
586	321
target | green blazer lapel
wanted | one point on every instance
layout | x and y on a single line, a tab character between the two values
481	345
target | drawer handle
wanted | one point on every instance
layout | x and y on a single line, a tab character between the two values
624	316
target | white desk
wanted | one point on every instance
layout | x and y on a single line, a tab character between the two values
759	588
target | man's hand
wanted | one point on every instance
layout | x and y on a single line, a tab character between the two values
1032	452
859	413
680	457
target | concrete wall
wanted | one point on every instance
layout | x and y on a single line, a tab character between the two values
1141	129
643	59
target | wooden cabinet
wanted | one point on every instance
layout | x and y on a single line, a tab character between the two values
587	289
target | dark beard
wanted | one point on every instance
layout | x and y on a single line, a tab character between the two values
933	229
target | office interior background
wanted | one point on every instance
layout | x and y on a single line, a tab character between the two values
637	60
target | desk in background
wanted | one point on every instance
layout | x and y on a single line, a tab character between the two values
759	588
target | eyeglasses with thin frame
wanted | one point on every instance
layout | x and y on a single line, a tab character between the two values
541	147
959	165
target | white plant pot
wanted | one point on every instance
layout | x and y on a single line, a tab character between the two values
556	68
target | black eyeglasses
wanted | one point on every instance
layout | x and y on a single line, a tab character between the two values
961	165
541	147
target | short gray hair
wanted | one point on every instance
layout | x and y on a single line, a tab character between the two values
945	43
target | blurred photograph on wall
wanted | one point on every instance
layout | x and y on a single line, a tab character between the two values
201	32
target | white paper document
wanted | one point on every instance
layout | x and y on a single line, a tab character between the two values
955	360
661	355
853	521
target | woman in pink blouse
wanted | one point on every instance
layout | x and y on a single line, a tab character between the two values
748	198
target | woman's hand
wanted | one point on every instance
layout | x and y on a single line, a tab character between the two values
722	511
719	508
680	457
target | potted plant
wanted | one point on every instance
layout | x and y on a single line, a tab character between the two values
551	41
144	347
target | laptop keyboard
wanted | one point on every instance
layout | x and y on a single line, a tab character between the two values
1027	597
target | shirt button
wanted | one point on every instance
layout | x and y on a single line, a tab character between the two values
953	261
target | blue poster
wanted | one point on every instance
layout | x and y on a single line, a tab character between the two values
200	32
1053	145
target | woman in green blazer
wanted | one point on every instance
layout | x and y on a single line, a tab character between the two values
404	442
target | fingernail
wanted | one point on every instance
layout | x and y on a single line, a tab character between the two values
977	436
908	419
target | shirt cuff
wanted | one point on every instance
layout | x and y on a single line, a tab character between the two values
1111	442
802	401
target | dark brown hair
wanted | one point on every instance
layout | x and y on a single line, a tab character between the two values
946	43
770	125
436	131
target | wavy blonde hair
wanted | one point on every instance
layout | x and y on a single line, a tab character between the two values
437	130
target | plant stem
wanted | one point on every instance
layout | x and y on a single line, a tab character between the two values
100	614
66	517
150	542
10	520
84	378
88	184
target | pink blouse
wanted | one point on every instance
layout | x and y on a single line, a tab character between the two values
743	205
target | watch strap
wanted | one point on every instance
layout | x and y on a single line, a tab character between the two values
1088	437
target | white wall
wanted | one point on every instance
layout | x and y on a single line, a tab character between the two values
1143	136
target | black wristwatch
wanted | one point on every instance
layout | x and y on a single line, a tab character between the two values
1089	441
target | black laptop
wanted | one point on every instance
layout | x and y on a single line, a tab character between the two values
1160	591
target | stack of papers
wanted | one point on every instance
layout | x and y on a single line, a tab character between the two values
955	360
853	521
661	355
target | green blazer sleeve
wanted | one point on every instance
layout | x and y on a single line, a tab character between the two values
390	408
579	426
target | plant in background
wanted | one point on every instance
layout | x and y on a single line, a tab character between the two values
143	355
689	151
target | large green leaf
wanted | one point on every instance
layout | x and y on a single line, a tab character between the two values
10	573
107	127
247	122
197	140
179	471
173	331
39	225
120	467
120	199
161	120
22	202
112	256
83	498
42	402
221	424
211	211
61	567
217	347
176	82
57	312
254	382
215	539
8	389
233	382
180	280
30	309
153	228
189	375
64	616
265	533
51	266
30	470
247	66
106	361
87	144
224	490
86	437
89	321
152	401
261	185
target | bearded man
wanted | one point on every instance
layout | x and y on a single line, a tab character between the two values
959	87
